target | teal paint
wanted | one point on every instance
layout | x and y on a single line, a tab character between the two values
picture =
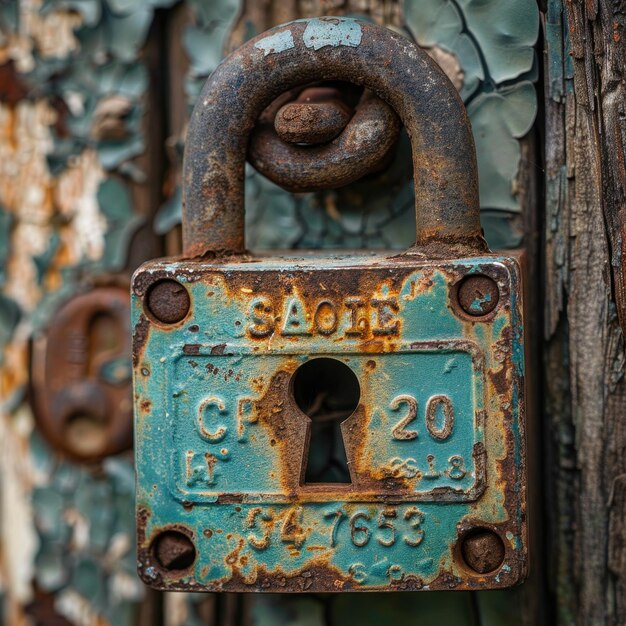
104	502
276	43
500	119
200	387
105	66
10	314
383	227
333	31
554	48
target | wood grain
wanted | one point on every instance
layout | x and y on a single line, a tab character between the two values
584	281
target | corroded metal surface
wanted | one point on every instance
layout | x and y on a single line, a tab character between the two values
435	457
483	551
435	446
363	145
393	68
317	116
478	295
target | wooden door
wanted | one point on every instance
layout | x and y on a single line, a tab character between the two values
94	100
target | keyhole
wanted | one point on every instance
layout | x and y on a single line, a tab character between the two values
328	391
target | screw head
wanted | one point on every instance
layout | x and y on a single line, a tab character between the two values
478	295
173	550
483	551
168	301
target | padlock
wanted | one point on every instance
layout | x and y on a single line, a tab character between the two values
417	356
81	375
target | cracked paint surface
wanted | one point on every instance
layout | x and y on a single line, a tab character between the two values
73	81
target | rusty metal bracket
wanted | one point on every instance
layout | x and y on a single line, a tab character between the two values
81	375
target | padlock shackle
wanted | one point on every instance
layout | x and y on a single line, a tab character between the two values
305	51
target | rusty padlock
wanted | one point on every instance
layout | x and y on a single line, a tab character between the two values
81	375
417	356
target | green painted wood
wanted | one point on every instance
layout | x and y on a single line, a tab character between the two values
84	88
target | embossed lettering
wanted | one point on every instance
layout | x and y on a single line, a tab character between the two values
211	462
263	542
291	530
356	316
444	403
246	414
359	532
201	472
416	518
385	521
386	321
338	515
399	431
220	432
326	318
394	572
262	316
358	324
403	468
456	471
387	530
294	318
432	473
358	572
193	473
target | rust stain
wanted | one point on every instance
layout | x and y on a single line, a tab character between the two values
347	150
297	309
81	387
436	122
49	34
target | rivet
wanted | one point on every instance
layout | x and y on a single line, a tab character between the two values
483	551
478	295
168	301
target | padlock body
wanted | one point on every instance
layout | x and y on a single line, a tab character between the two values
435	446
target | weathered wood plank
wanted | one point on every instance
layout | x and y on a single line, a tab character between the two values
584	296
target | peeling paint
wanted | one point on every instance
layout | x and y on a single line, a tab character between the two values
19	539
76	197
78	610
71	121
191	479
26	192
332	31
276	43
49	35
65	165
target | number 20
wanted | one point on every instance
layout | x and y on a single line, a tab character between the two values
441	433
